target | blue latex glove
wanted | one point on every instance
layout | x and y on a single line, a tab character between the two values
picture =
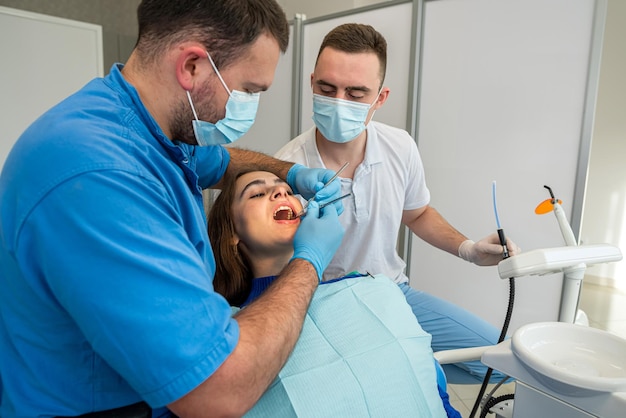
309	182
318	237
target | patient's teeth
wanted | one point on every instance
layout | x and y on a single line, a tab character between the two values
288	215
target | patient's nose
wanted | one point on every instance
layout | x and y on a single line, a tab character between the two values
279	192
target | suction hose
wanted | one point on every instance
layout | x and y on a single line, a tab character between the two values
505	328
509	310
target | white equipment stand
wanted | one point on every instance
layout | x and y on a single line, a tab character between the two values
533	397
540	393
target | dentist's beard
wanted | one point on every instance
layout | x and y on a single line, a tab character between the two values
181	127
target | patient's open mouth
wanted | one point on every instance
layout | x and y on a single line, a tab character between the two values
284	213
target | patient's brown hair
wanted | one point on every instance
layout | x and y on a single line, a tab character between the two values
233	277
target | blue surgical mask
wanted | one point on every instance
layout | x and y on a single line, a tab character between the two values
241	110
340	120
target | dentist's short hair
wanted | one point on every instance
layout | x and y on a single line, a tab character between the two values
225	27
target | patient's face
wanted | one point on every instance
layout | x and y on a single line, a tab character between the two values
264	210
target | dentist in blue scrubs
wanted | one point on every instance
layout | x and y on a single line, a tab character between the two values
107	304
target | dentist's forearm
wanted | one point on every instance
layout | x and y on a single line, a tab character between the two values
268	330
247	160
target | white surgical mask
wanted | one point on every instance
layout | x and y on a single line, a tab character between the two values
241	111
340	120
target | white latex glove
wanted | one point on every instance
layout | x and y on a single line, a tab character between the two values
487	251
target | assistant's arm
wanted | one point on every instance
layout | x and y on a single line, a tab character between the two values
268	331
429	225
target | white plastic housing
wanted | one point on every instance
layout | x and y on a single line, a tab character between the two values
554	260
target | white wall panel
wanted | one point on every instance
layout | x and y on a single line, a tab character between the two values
503	93
394	23
272	126
44	60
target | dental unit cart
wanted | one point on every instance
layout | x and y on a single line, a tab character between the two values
561	369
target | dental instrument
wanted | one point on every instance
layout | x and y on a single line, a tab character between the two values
323	205
306	205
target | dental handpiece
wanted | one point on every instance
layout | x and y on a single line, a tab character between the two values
505	253
501	237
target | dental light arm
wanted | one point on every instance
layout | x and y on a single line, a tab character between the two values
572	260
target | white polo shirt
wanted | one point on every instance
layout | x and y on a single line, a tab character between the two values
389	180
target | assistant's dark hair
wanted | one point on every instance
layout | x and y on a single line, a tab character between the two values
225	27
233	276
355	38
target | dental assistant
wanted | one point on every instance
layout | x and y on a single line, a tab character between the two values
387	184
107	303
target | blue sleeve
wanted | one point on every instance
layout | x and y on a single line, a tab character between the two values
211	164
445	398
115	253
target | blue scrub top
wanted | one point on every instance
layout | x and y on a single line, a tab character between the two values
106	266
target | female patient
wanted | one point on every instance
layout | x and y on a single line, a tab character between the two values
361	351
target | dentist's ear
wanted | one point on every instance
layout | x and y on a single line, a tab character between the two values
190	61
